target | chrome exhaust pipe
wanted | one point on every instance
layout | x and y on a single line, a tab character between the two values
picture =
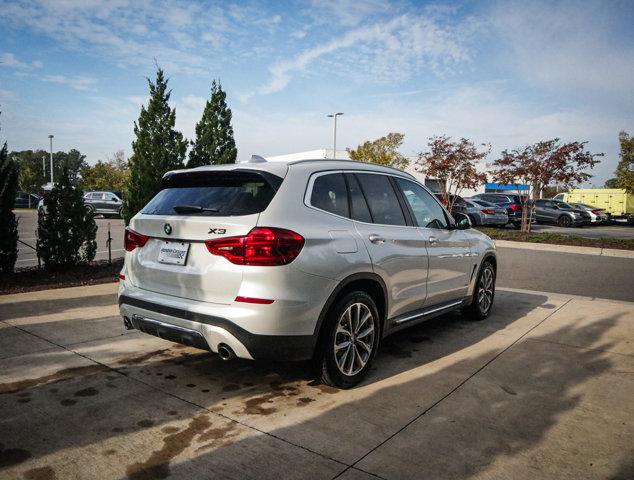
225	352
127	323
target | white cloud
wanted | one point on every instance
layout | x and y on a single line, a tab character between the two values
77	82
347	13
10	60
394	49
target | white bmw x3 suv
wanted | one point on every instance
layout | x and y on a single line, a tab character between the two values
313	259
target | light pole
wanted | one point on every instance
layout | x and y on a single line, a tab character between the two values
44	167
50	137
334	140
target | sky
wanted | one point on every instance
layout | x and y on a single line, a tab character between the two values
505	73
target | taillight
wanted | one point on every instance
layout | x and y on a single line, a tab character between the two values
133	239
262	246
514	207
487	211
596	212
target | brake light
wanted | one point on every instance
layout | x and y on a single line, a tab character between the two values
488	211
514	207
262	246
132	239
596	212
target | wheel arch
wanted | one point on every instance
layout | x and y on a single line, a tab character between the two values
371	283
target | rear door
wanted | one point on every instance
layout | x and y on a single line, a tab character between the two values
232	201
398	252
448	249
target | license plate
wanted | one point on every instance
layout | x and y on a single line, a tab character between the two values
174	253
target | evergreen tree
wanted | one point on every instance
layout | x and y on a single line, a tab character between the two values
625	169
158	148
214	143
8	222
66	232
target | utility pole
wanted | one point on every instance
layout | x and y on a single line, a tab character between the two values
334	140
50	137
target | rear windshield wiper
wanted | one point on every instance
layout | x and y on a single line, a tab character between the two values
193	209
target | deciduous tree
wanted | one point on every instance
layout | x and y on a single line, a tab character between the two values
158	148
214	144
625	169
454	164
383	151
543	163
112	174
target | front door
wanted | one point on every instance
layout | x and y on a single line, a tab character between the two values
448	249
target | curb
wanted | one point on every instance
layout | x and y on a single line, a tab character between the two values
549	247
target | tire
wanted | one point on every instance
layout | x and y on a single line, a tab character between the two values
334	365
564	221
483	293
90	209
474	221
517	225
120	212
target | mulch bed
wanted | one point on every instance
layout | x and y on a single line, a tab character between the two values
32	279
558	239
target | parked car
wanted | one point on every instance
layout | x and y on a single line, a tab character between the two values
26	200
485	213
512	204
559	213
313	259
109	204
597	215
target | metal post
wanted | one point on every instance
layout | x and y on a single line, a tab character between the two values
51	139
334	135
109	243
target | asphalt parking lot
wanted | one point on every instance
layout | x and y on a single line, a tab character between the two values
28	227
541	389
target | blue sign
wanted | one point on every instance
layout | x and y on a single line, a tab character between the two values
502	186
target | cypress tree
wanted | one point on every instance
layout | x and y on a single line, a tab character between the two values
158	148
66	232
214	143
8	222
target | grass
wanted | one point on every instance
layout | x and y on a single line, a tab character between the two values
557	239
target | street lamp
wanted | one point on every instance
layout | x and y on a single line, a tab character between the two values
50	137
334	141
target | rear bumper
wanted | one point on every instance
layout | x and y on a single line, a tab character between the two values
207	326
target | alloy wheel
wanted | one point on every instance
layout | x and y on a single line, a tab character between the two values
485	289
354	339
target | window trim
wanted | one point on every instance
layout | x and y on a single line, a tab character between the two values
399	194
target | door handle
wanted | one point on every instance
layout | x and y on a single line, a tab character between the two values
433	241
374	238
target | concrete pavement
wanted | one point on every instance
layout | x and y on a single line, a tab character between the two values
542	389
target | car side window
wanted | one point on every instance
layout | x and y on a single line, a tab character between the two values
382	200
109	197
426	210
358	206
330	194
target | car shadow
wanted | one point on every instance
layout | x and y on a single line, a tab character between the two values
99	402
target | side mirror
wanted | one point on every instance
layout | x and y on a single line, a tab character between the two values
463	222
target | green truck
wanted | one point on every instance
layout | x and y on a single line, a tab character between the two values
615	201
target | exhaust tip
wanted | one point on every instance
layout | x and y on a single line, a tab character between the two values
127	323
225	352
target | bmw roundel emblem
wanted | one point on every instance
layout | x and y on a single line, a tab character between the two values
167	228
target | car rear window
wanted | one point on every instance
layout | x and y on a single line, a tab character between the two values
226	193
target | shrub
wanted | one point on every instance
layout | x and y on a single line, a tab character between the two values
67	231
